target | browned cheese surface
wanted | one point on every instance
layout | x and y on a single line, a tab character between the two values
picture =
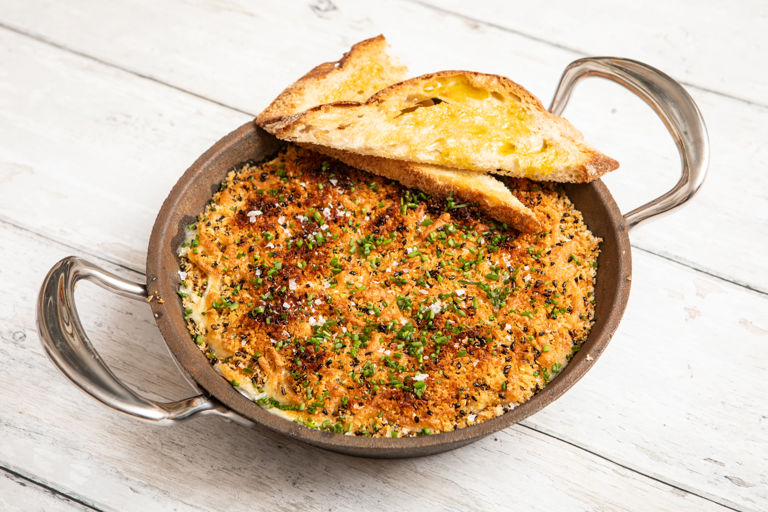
349	303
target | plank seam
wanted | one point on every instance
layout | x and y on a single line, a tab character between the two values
629	468
553	436
685	264
64	48
15	475
123	266
560	46
140	272
75	249
48	488
59	46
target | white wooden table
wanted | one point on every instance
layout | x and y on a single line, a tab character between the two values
104	104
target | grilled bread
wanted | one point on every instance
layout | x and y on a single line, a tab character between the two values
459	119
364	70
490	195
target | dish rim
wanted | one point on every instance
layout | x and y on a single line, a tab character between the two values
248	142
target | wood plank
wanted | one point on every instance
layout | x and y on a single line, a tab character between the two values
731	207
73	443
55	208
101	180
712	45
18	494
685	366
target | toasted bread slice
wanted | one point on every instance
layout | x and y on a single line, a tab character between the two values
459	119
489	194
365	69
351	78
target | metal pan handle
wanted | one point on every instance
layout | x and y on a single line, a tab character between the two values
673	105
69	348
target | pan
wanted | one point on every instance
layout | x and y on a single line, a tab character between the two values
68	346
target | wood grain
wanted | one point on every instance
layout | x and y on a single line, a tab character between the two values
246	61
672	417
728	39
102	175
19	494
75	444
686	363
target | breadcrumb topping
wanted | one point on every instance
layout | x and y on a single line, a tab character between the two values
349	303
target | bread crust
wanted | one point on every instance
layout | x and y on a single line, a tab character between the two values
320	78
491	195
590	165
443	182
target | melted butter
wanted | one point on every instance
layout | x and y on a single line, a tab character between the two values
456	132
507	148
455	88
362	83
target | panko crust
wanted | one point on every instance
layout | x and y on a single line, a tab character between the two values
352	304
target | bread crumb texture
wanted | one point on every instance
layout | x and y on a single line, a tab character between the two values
349	303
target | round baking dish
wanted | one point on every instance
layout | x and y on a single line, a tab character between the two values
68	346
